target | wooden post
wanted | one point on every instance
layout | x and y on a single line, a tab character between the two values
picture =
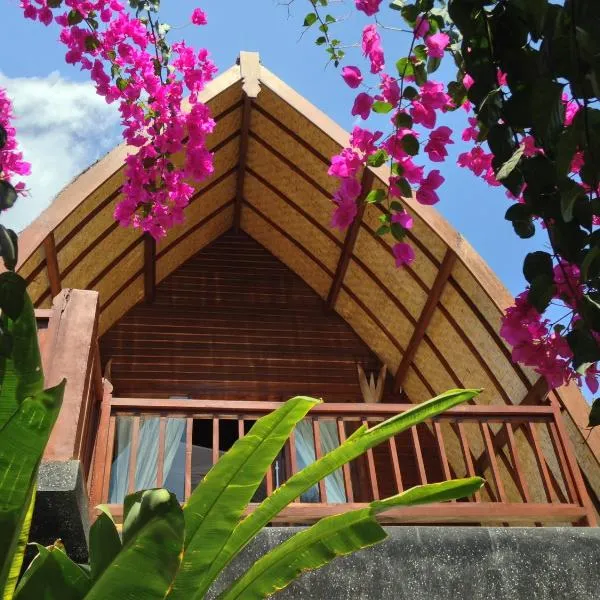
69	354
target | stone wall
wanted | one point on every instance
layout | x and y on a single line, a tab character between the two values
451	563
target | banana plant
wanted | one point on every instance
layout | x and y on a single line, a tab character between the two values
178	552
27	415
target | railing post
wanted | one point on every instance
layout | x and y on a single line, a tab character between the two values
102	456
69	352
572	465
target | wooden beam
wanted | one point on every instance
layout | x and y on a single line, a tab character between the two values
250	72
423	323
350	240
537	393
52	265
242	161
149	268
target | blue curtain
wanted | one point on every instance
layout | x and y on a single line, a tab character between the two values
147	454
305	453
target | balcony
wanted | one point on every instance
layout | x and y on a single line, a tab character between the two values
522	452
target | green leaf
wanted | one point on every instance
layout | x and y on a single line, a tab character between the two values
361	441
410	92
332	537
147	564
585	349
382	107
105	543
52	575
404	186
375	197
405	69
377	158
541	292
21	373
548	112
74	17
218	503
12	294
3	137
433	64
17	560
9	249
310	19
594	419
537	263
570	192
403	120
410	144
591	257
590	311
420	74
8	195
23	439
509	166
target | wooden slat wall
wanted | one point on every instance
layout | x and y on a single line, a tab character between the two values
234	322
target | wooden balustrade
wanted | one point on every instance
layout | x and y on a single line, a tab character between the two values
522	452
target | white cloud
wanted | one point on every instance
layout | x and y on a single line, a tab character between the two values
62	127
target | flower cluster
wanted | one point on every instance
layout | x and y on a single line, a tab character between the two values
11	158
130	63
408	117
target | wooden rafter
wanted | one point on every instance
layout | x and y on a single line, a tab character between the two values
537	393
423	323
250	72
52	265
350	240
241	176
149	268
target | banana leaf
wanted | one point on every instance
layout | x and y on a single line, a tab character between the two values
52	575
17	559
21	373
22	442
146	565
195	582
217	504
335	536
105	543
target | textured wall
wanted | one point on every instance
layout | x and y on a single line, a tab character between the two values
458	563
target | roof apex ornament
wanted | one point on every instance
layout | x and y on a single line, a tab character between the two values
250	71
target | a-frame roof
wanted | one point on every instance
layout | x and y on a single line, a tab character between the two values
435	323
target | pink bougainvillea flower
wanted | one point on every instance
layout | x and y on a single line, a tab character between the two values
199	17
436	44
365	140
471	132
476	160
426	193
362	105
345	201
369	7
404	219
438	140
352	76
371	46
390	89
571	109
501	78
421	27
345	164
468	81
403	253
423	115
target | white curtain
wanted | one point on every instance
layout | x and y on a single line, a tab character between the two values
305	453
147	454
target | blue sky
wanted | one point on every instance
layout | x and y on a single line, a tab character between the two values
64	126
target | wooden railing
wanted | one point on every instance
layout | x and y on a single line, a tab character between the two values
523	452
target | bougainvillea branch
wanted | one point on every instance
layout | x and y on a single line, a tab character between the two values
529	101
131	63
